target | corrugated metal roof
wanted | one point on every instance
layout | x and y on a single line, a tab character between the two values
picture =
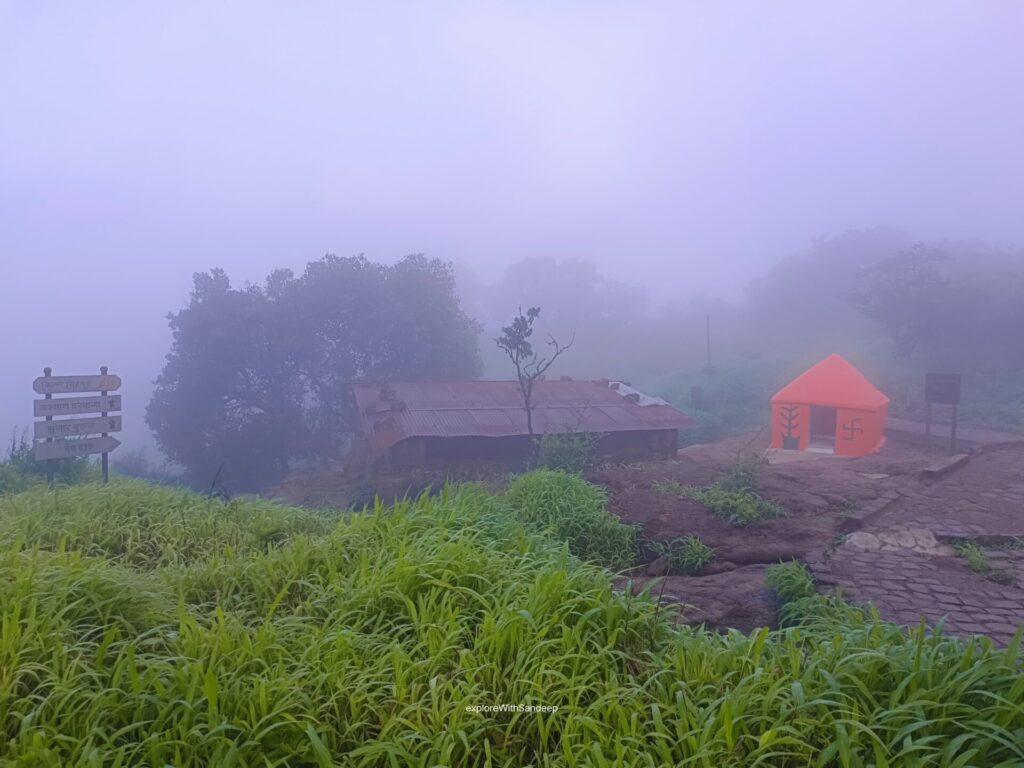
389	413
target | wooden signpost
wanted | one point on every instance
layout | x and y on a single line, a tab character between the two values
942	388
63	449
66	385
70	406
77	427
68	438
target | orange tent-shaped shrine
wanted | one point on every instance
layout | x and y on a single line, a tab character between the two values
830	408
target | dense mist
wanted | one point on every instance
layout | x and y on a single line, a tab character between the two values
629	169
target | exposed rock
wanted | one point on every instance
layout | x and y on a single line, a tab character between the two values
659	566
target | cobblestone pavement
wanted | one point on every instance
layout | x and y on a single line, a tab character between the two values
984	498
900	557
907	585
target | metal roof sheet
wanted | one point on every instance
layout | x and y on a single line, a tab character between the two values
389	413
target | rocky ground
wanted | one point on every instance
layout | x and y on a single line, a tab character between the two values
874	527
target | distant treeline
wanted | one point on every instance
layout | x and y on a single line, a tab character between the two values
875	292
255	380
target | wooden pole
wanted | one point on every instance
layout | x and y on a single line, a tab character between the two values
952	430
49	463
103	459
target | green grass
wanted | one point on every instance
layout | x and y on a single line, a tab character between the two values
736	507
132	522
571	509
686	553
568	450
200	633
790	581
733	497
975	556
978	562
19	469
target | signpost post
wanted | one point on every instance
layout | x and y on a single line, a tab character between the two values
942	388
66	438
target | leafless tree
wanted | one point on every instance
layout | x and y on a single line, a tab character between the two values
530	366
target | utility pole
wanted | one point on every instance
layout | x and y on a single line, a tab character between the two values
708	325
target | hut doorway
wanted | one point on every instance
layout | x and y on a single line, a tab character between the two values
823	429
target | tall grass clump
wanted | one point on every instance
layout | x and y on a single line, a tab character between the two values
685	553
569	450
146	525
20	470
733	497
572	510
382	637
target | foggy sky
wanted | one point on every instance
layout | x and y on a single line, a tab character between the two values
681	146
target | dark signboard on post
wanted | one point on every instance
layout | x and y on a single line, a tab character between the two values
65	438
942	388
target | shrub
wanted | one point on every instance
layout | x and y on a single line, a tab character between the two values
790	581
19	469
731	498
740	508
744	473
686	553
569	450
574	511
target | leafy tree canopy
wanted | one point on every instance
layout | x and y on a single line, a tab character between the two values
257	376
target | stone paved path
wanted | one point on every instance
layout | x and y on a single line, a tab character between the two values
900	557
984	498
906	585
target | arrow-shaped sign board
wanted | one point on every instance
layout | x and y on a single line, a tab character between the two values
65	385
63	449
77	427
69	406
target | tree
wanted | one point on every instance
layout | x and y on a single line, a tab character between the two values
530	366
903	293
258	376
778	302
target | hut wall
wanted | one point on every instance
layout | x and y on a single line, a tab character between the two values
514	452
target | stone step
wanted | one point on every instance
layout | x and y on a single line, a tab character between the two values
945	466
